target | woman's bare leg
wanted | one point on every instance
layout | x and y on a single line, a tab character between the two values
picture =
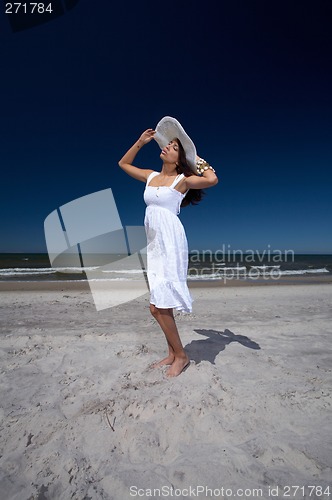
177	356
160	318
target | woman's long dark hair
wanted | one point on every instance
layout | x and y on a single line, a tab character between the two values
193	196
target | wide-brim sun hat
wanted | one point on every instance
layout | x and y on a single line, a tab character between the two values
168	129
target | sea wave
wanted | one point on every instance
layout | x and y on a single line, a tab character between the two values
124	271
38	274
30	271
304	271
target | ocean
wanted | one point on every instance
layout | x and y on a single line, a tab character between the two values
209	266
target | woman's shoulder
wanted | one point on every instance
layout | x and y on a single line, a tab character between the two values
152	173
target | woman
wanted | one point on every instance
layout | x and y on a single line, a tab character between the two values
178	184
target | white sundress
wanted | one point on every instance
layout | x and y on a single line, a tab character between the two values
167	247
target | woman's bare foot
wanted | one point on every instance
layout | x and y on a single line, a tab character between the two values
178	366
166	361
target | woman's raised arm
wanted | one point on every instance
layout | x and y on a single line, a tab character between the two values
125	163
207	178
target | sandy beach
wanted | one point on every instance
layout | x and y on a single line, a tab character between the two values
84	417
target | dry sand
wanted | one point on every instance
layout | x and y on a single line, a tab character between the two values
84	417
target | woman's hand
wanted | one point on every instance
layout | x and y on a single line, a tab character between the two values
126	162
147	136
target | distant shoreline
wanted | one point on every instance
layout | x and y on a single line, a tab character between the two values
83	285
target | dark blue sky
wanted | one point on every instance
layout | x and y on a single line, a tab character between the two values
250	81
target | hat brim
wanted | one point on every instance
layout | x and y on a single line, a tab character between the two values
169	128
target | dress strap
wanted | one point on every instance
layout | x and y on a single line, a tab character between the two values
151	176
176	181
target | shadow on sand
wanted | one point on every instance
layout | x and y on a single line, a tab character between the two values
210	347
